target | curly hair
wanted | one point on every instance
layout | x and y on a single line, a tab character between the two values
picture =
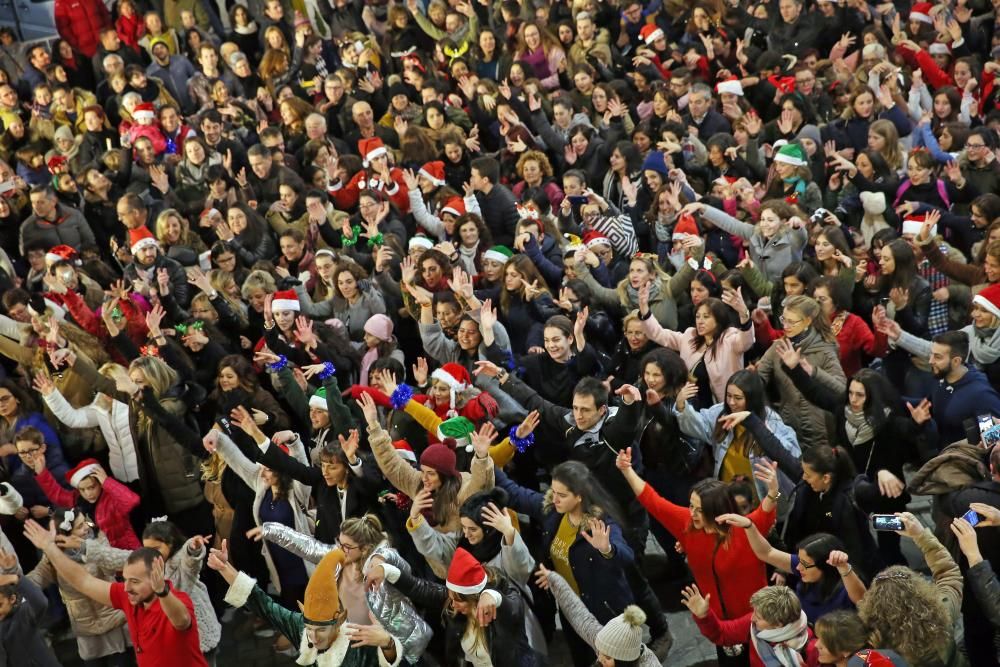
541	158
905	613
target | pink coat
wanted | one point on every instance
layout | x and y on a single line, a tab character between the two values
726	360
112	510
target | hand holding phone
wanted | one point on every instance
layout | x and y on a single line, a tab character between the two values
886	522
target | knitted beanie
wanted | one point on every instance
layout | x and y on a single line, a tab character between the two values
621	637
440	458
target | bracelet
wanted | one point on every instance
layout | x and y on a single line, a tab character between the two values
773	499
850	569
355	235
279	365
376	240
401	395
164	593
521	444
328	370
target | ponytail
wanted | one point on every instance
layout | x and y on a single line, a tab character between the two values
833	461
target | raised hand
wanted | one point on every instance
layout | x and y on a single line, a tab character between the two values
697	604
737	520
420	371
912	527
483	438
922	413
487	368
599	536
242	418
889	485
218	559
789	355
733	419
487	316
499	520
43	384
530	423
422	502
368	409
629	393
687	392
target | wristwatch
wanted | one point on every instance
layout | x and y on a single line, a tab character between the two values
164	593
775	497
502	376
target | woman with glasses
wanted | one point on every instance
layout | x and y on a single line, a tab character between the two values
18	411
808	335
718	554
856	342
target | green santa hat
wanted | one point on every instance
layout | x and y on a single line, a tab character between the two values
499	253
459	429
318	400
791	154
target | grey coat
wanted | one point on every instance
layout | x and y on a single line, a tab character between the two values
770	255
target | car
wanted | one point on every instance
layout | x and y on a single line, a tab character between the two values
30	19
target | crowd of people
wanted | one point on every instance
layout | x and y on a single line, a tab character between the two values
399	332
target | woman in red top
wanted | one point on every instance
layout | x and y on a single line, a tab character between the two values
719	555
855	340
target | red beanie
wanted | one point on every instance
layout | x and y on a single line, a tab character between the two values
441	458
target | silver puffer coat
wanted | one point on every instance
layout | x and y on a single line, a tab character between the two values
392	609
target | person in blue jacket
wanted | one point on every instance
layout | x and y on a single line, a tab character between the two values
962	392
581	540
17	412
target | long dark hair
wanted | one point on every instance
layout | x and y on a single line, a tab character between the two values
818	548
578	478
716	500
881	398
675	372
833	461
167	533
720	313
905	271
753	390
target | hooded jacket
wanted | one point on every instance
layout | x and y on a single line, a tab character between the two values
952	404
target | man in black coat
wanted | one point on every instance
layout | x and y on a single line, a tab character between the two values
701	113
498	203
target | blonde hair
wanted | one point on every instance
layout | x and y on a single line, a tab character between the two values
809	307
258	279
159	376
777	605
892	152
655	270
905	613
161	224
213	467
367	532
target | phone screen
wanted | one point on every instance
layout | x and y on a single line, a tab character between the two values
972	517
578	200
886	522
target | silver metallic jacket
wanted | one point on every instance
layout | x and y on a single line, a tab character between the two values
392	609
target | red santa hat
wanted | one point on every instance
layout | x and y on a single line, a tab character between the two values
650	33
144	111
83	470
685	227
141	237
466	575
939	49
403	449
921	12
60	253
732	85
420	242
455	206
456	377
433	172
912	224
592	238
989	299
371	149
285	300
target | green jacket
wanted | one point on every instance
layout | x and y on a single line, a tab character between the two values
245	591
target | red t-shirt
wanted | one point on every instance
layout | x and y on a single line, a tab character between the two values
157	643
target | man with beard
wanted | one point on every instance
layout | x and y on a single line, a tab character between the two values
962	393
210	125
174	72
317	628
161	619
148	261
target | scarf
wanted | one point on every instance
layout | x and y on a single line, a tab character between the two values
984	344
488	547
780	646
633	293
468	258
248	29
371	356
857	427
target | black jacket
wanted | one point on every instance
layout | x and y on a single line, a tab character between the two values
505	637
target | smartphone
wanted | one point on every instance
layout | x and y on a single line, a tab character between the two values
886	522
991	436
578	200
972	517
7	186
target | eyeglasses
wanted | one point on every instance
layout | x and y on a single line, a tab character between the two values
29	452
789	322
807	566
348	548
968	145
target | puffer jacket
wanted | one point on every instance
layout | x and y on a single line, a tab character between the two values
182	569
394	610
86	617
813	425
176	469
114	426
79	22
249	472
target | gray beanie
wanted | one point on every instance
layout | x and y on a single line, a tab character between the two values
810	132
621	638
